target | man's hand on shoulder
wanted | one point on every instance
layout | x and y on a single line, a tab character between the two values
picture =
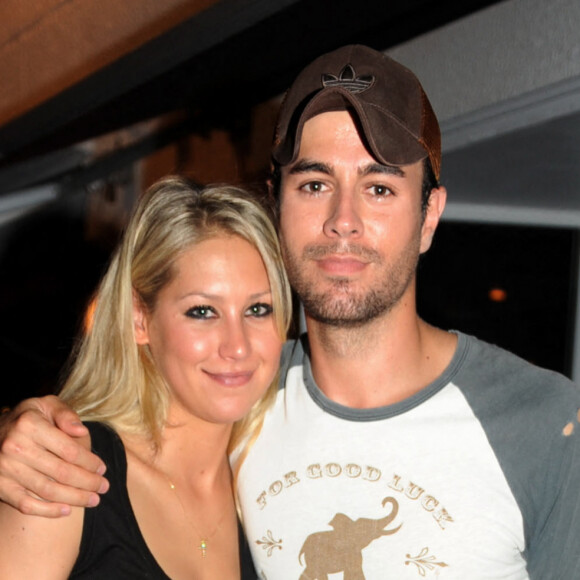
45	461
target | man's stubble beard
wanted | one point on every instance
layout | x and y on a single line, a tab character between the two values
340	305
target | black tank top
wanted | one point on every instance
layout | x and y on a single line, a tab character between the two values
112	546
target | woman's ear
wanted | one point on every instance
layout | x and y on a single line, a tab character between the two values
140	320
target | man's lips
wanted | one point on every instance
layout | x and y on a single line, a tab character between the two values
341	265
234	379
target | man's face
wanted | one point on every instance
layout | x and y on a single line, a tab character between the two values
351	229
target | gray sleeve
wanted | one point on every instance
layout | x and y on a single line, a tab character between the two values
554	548
531	419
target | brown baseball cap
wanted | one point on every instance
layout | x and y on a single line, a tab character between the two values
394	113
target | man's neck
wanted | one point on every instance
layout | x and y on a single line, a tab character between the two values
379	363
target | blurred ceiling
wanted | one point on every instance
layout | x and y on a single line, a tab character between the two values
77	69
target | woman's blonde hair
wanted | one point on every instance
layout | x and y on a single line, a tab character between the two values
113	380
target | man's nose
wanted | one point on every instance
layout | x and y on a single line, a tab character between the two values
344	218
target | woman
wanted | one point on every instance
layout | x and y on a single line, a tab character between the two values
177	369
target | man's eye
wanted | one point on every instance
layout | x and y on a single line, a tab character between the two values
201	312
260	310
380	190
313	187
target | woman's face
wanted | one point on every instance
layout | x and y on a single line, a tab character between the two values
212	333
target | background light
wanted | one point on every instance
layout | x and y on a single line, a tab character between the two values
497	295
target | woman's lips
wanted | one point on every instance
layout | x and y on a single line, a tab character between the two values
236	379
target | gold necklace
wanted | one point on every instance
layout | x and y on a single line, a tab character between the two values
204	539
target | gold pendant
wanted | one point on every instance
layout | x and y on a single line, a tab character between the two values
203	548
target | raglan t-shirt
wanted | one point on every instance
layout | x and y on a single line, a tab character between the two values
477	476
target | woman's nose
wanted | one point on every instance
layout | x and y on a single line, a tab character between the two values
235	342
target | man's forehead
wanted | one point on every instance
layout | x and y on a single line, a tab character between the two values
336	133
342	121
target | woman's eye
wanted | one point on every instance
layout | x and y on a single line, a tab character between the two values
201	312
260	309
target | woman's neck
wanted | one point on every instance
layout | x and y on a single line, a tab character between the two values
191	451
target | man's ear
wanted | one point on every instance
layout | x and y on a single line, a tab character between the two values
140	321
272	199
433	213
270	186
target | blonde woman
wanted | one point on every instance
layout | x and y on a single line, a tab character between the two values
177	369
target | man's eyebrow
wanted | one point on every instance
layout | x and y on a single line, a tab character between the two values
379	168
307	166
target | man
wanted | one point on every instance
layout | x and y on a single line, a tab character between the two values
394	450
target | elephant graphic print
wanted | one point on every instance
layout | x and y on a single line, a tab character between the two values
340	550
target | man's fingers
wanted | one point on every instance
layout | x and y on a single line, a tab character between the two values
40	469
31	439
75	453
33	485
18	498
62	416
41	464
37	507
72	485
